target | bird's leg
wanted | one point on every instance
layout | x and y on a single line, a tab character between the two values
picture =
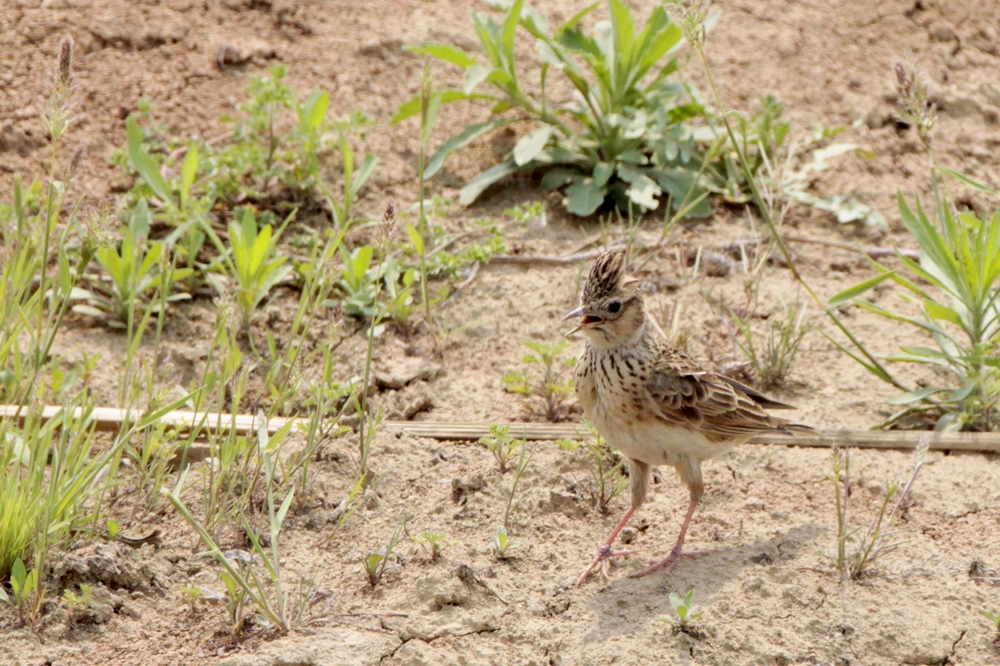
670	561
605	553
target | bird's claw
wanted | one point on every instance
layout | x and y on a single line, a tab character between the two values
603	558
669	562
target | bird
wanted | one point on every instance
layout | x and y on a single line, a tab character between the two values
654	403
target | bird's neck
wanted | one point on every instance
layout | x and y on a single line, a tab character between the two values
623	338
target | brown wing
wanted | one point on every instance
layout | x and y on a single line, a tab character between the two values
690	396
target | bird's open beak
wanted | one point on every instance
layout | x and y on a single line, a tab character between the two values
589	318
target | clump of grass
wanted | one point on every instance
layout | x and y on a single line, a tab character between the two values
546	388
267	593
860	547
772	359
270	156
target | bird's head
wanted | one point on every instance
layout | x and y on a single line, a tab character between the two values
611	307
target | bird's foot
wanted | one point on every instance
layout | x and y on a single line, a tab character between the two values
603	560
669	562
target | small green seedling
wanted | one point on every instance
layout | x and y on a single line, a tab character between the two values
192	593
685	609
77	604
23	583
545	394
501	445
378	562
502	544
434	542
994	617
237	600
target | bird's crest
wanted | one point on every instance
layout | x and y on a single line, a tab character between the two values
606	276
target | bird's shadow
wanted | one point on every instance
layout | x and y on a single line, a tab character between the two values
706	575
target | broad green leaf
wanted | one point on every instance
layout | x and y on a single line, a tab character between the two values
684	189
415	238
145	165
642	190
363	173
557	178
317	105
188	172
488	33
938	311
915	396
477	185
459	141
510	24
633	157
623	29
429	116
475	75
531	144
968	181
584	197
851	293
446	52
602	173
411	107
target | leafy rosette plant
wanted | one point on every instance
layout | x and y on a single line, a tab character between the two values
624	133
955	283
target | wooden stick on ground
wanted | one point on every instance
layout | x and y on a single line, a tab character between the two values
110	419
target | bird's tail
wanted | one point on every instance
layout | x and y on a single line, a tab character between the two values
791	428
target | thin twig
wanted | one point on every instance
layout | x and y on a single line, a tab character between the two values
464	283
552	261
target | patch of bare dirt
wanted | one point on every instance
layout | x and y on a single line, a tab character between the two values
768	516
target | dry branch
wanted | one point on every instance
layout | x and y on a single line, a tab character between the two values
110	419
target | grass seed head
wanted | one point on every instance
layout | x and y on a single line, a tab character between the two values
386	231
918	110
57	115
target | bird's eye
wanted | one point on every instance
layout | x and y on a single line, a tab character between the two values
614	307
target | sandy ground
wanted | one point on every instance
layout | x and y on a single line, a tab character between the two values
768	519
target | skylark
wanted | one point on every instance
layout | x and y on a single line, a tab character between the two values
654	403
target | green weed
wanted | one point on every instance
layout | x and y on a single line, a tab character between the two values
501	445
993	617
380	561
78	604
503	545
685	610
625	136
860	547
772	359
434	542
545	394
